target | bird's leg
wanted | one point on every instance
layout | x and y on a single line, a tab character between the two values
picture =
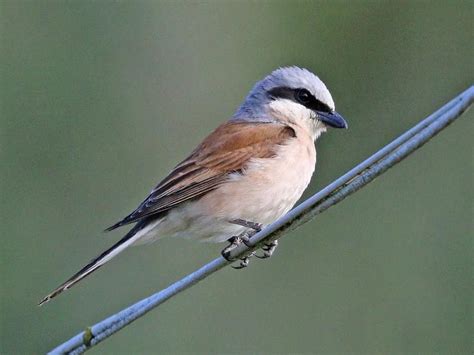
244	237
257	227
234	243
241	238
268	249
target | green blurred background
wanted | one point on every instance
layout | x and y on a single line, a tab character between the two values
100	99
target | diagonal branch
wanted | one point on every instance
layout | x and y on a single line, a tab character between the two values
335	192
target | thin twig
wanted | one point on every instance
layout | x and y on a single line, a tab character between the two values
335	192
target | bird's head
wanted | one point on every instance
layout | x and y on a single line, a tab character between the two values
291	95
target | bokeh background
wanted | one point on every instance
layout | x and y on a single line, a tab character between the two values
100	99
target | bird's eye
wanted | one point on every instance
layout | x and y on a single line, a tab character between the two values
303	96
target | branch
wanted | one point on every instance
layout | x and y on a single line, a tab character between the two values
335	192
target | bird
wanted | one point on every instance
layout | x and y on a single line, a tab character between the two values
251	170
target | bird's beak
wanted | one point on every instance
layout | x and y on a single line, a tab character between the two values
332	119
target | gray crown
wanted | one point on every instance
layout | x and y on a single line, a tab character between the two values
255	105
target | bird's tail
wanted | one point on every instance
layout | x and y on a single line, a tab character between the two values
97	262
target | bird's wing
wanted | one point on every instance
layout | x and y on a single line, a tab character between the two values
224	151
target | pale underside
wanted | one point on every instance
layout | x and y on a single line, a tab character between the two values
263	192
269	189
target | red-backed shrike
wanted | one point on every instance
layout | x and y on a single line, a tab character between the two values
246	174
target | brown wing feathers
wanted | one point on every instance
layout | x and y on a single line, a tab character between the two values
225	150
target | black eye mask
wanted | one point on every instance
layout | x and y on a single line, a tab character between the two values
301	96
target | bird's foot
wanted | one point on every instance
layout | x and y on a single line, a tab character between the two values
244	262
268	249
234	243
245	239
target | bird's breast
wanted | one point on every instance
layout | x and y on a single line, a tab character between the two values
267	188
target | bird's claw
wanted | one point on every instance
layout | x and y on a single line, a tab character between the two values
245	239
268	250
244	262
234	243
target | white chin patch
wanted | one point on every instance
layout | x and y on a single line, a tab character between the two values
287	110
318	128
